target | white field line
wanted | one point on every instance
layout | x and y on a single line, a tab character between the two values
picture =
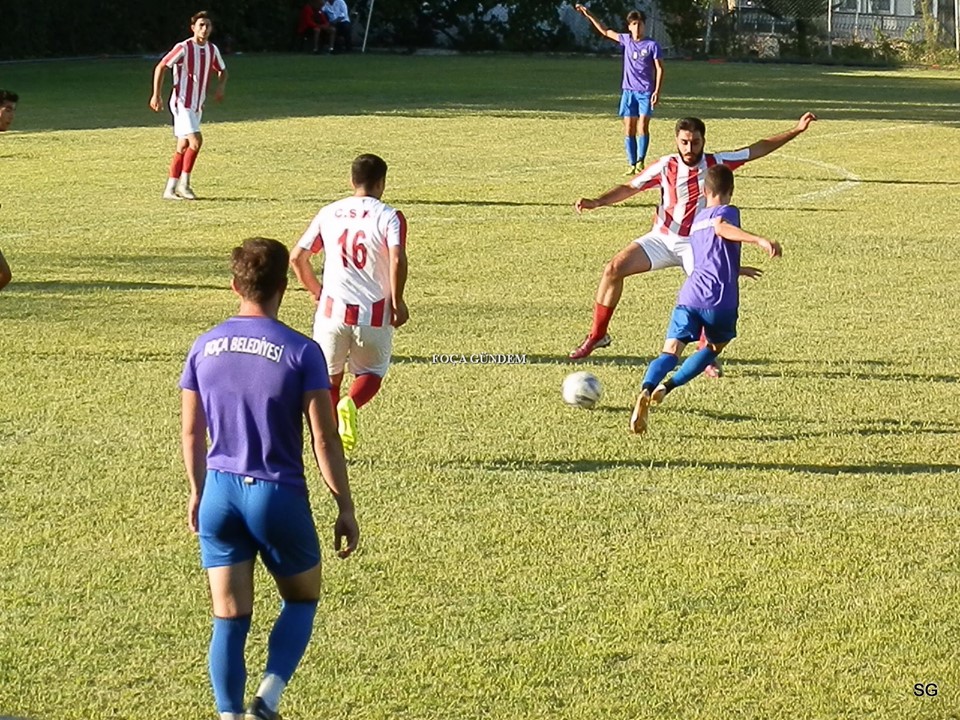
849	181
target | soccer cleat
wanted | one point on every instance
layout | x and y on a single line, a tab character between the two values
185	192
631	171
715	370
638	168
347	423
659	393
171	195
638	421
588	346
258	710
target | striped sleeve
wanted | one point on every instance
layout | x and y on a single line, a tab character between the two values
397	230
175	55
218	64
312	239
731	158
650	177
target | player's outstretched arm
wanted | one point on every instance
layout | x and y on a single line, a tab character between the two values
158	72
303	269
611	197
193	442
6	275
398	281
731	232
328	453
597	25
765	147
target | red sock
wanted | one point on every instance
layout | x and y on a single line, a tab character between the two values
601	319
189	158
335	393
176	165
364	387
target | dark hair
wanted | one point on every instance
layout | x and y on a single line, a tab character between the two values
367	170
719	180
8	96
202	15
691	124
259	268
636	15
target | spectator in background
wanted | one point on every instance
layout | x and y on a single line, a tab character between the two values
339	17
314	23
8	108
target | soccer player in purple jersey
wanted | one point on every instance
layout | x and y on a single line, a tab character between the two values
709	299
249	382
642	79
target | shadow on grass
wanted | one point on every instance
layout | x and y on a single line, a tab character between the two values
266	87
869	181
588	466
58	286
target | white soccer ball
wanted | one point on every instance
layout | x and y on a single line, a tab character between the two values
581	389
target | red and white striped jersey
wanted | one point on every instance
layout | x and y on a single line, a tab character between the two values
191	64
356	234
681	187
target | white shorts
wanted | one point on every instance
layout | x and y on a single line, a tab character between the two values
363	349
186	121
667	251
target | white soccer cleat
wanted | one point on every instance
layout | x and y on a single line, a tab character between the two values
185	192
171	195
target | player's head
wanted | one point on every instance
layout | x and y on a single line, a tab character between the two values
201	25
260	269
690	133
719	184
8	108
636	23
369	174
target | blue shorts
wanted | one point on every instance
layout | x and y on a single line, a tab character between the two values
720	326
635	104
240	517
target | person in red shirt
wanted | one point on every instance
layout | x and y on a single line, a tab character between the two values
314	22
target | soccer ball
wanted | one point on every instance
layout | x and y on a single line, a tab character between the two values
581	389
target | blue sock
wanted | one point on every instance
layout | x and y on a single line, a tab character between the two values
228	670
657	370
289	637
643	142
693	366
630	145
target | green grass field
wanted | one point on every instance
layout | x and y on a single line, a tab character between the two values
784	543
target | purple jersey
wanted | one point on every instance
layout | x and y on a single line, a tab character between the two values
251	374
713	284
639	73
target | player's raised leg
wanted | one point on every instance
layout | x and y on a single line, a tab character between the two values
632	260
283	526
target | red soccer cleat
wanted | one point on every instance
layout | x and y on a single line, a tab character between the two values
589	345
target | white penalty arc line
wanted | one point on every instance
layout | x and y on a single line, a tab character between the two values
849	181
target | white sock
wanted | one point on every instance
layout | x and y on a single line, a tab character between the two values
171	184
269	691
231	716
185	179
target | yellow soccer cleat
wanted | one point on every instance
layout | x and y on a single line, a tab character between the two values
638	421
347	423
